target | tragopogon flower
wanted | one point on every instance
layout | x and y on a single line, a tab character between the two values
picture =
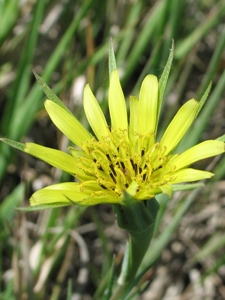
126	156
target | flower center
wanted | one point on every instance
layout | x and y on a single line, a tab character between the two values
115	161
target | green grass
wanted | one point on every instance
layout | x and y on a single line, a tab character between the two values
75	46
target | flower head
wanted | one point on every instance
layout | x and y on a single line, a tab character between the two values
125	156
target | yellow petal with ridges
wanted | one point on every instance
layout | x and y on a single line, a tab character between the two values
201	151
67	123
106	199
67	193
77	152
117	104
53	157
94	114
187	175
148	105
134	107
179	125
133	126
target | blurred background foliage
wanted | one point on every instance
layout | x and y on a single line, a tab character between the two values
54	253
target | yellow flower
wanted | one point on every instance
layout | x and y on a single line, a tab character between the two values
126	156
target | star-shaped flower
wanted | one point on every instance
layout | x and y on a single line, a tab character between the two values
125	156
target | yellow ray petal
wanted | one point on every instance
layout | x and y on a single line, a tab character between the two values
148	105
67	123
107	199
117	104
134	107
179	125
68	193
201	151
187	175
94	114
133	126
53	157
63	193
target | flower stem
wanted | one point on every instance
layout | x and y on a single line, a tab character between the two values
139	220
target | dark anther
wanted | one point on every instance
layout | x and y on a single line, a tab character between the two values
99	166
107	155
133	165
113	178
126	185
135	168
157	168
131	160
112	169
122	164
140	169
142	152
102	186
144	176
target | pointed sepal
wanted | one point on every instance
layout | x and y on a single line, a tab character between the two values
14	144
112	59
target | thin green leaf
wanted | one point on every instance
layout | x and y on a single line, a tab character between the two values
216	242
69	290
143	38
160	243
110	281
213	18
7	207
104	287
193	136
214	63
22	81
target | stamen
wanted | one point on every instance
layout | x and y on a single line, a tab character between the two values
113	178
104	187
112	168
122	164
108	156
113	163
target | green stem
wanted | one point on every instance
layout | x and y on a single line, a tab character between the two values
134	254
139	220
